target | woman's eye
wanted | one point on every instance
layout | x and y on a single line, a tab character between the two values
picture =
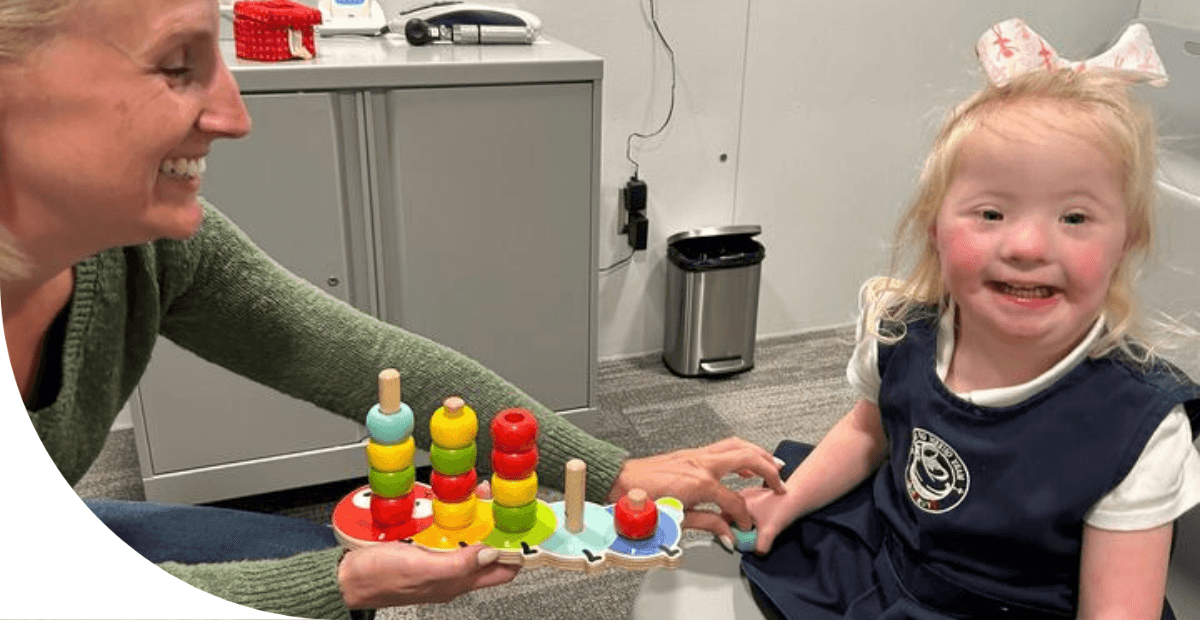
179	66
176	72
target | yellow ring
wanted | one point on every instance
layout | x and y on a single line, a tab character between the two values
454	516
514	493
454	432
391	458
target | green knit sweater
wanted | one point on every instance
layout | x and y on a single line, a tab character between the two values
220	297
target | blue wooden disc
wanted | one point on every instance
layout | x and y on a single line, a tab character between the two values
388	429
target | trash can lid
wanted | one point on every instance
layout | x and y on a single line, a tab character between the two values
748	230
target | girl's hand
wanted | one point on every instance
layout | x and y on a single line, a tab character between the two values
392	574
770	516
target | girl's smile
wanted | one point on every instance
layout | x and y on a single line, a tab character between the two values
1029	297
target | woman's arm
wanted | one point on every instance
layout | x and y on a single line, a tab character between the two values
241	310
1124	574
849	453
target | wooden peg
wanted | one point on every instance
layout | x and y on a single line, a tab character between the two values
389	390
574	490
453	405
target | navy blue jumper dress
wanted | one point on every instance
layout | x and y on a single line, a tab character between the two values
977	512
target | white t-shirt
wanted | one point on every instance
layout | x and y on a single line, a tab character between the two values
1163	484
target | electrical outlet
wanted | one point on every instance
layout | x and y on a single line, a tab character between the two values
635	226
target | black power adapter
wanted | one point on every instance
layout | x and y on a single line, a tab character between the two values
637	226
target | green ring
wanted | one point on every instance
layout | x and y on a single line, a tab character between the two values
517	519
392	484
452	462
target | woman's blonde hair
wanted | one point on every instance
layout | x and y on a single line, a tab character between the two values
1125	129
24	25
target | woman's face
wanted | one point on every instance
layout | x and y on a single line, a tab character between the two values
104	128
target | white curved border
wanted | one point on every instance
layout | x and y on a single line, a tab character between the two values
62	562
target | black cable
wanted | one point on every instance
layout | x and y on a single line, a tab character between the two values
618	263
670	108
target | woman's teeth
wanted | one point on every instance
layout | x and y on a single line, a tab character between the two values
1025	292
183	167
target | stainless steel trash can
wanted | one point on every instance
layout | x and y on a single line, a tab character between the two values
712	300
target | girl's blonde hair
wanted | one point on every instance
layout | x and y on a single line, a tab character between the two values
24	25
1125	128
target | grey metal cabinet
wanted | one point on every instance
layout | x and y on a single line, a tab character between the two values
450	191
492	258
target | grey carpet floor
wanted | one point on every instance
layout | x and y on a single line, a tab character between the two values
796	390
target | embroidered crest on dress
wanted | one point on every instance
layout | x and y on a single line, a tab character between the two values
935	477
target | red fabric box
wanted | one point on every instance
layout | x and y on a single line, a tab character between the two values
274	29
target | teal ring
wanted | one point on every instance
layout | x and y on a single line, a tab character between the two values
390	429
745	541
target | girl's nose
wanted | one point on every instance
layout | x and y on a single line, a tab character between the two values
1027	242
225	114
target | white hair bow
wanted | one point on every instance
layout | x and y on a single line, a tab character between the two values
1010	48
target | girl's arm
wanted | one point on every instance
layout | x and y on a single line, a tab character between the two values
851	451
1124	574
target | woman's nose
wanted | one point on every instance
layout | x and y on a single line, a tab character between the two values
225	114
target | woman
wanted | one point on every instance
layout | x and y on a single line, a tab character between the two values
107	110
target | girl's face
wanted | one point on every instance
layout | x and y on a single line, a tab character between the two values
104	129
1032	229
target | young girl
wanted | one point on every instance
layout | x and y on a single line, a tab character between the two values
1024	455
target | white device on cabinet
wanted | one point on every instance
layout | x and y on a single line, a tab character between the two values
351	17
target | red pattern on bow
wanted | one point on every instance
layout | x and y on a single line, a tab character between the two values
1010	48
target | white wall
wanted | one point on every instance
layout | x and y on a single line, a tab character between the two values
1182	12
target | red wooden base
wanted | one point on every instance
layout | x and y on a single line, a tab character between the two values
354	527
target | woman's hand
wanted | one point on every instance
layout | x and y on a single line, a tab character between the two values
694	477
394	574
397	573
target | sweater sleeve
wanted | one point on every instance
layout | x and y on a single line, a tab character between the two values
303	586
243	311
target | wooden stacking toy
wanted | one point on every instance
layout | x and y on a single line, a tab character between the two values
458	516
636	533
390	451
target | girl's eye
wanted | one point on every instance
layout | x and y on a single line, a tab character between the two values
1074	218
991	215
